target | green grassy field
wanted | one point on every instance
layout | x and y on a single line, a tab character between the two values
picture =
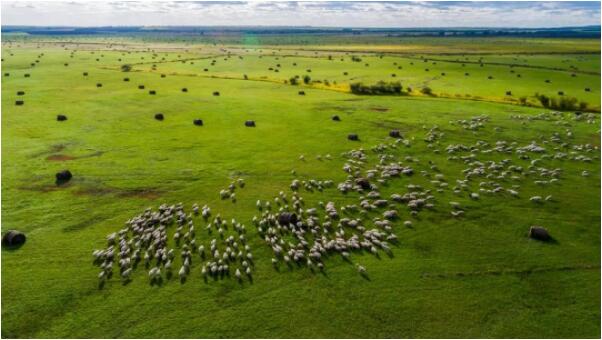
478	275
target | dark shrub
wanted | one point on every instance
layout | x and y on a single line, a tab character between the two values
126	79
26	75
20	93
98	85
184	89
427	91
508	93
163	76
336	118
306	79
380	88
19	102
216	93
141	87
61	118
198	122
302	93
152	92
159	116
85	74
294	81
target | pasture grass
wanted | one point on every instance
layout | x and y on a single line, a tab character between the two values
476	276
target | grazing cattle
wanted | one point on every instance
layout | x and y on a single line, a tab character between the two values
61	118
141	87
19	102
98	85
159	116
198	122
336	118
152	92
302	93
250	123
216	93
353	137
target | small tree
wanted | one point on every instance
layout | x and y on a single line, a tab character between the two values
427	91
306	79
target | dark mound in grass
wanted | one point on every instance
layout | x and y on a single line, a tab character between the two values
539	233
13	238
395	134
63	177
286	218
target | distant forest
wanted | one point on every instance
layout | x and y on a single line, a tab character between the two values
183	31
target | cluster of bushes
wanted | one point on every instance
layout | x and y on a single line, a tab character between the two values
379	88
356	59
564	103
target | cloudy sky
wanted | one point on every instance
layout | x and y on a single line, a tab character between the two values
301	13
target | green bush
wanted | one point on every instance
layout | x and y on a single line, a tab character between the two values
427	91
306	79
564	103
380	88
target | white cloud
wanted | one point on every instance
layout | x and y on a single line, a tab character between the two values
328	13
